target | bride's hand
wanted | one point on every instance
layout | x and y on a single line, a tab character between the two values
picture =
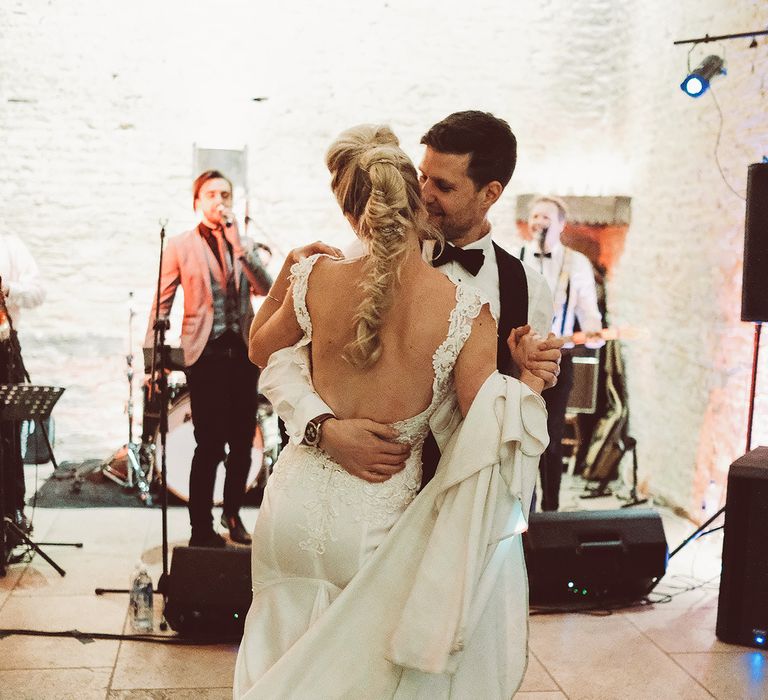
527	347
298	254
540	356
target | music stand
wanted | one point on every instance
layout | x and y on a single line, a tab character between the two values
23	402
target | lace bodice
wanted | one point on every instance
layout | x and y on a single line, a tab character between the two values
469	301
329	489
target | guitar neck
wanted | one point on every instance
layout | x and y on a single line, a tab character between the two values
580	337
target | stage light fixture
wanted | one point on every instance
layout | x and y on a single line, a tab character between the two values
697	82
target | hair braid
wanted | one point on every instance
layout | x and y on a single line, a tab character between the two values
375	182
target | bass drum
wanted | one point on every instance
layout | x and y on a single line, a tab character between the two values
180	443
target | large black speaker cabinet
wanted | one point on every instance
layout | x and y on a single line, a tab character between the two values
209	591
590	556
742	609
754	288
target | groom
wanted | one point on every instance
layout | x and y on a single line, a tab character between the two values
468	161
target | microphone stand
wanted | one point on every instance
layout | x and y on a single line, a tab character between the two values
158	388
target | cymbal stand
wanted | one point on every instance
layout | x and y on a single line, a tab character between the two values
134	474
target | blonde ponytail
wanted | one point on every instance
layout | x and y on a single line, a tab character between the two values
375	182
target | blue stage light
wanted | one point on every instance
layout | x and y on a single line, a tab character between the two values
697	83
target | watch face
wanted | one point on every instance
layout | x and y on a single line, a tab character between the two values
310	434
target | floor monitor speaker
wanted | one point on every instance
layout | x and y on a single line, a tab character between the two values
209	591
589	556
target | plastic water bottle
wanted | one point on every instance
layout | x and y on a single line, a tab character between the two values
142	615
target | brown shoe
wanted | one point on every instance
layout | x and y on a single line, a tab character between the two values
237	531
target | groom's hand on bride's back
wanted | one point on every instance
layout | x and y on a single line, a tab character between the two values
365	448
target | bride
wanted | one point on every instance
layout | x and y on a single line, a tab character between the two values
374	590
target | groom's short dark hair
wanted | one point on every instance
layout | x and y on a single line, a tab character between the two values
489	141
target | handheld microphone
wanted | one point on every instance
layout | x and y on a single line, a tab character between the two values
226	217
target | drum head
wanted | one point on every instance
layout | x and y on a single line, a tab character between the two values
180	443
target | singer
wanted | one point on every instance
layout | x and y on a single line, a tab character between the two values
22	288
570	276
218	277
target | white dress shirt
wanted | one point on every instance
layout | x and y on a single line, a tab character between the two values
286	380
20	277
540	307
564	266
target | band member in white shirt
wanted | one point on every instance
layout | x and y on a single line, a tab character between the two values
570	276
22	288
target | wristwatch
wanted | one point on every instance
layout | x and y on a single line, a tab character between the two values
313	430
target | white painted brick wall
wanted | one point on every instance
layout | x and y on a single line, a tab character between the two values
680	276
100	104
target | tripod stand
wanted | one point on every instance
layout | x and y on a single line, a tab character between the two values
24	402
134	474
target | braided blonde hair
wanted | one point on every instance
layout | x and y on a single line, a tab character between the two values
376	183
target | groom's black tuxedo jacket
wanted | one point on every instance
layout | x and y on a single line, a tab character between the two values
513	298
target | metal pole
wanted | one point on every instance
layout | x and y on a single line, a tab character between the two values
755	356
706	38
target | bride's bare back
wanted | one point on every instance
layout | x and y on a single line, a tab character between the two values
399	384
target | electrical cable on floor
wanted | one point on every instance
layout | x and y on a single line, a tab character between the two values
607	609
698	585
598	609
88	637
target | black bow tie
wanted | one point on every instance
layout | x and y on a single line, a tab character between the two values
471	260
542	255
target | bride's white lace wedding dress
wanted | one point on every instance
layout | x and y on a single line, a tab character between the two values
327	595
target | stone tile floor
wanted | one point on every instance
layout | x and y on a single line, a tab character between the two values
664	650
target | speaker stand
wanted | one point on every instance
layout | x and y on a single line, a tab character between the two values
755	355
697	532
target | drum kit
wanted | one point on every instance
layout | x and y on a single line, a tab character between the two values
136	466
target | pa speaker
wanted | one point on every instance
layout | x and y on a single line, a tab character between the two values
209	591
742	609
589	556
754	288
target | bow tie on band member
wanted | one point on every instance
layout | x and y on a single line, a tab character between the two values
471	260
542	255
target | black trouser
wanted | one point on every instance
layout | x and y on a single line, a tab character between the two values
11	465
551	462
223	391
